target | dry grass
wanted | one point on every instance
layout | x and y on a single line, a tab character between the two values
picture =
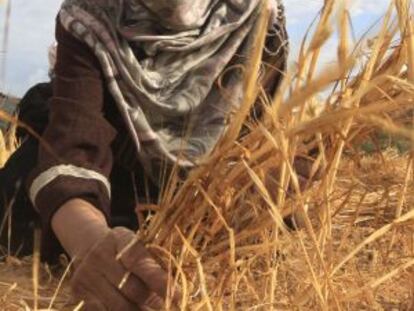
8	144
221	233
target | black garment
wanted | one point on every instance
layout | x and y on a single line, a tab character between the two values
33	109
14	202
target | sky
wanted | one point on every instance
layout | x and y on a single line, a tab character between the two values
32	32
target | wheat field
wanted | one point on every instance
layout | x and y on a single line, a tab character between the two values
220	233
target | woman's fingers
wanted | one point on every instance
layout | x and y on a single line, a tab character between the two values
113	298
92	304
139	261
128	284
101	277
99	295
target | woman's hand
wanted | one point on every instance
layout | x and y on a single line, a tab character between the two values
135	282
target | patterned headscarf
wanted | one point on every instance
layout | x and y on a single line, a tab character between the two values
161	60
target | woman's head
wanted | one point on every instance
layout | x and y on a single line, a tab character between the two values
182	14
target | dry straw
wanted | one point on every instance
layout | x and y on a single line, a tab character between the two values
222	229
221	232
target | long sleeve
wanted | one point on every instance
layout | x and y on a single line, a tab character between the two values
75	157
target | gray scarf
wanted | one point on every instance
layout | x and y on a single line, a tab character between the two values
162	60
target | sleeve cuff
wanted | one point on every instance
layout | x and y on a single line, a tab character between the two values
50	175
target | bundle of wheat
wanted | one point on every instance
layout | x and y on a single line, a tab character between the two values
221	232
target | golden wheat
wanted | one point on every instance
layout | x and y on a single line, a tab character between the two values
221	233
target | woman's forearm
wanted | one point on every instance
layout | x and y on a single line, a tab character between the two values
78	225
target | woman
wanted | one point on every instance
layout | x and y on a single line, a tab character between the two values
135	86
